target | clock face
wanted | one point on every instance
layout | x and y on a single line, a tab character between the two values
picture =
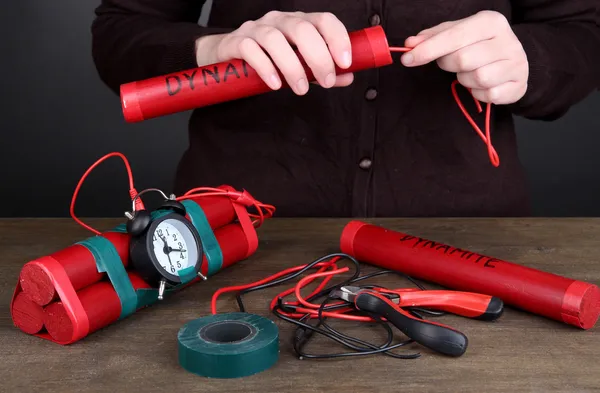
174	246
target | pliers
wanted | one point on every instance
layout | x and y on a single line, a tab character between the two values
389	304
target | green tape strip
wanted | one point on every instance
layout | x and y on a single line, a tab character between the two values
229	345
186	275
159	213
108	261
121	228
210	245
146	297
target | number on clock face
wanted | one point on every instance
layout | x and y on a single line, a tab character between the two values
170	241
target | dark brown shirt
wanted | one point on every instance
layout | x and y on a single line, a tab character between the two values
394	143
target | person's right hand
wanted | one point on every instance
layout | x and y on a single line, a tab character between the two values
321	40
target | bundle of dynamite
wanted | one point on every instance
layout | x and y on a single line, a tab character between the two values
73	292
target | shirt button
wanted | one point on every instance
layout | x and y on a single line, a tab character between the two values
374	20
365	163
371	94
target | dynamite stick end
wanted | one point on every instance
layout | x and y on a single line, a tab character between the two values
57	322
27	315
130	103
379	46
348	235
581	305
36	284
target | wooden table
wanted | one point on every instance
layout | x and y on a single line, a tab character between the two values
521	352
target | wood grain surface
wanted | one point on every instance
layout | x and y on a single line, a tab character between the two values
519	353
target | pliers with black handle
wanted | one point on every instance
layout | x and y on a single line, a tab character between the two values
389	304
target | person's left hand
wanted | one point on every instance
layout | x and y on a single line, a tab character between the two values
482	49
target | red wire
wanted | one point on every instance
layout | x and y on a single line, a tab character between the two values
313	308
264	210
487	139
132	190
303	282
309	308
289	291
236	288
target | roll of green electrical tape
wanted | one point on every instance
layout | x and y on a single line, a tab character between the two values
229	345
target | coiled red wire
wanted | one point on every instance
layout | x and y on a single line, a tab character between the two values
264	211
485	136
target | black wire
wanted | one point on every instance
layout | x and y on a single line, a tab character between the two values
350	338
371	349
383	349
296	274
305	331
300	341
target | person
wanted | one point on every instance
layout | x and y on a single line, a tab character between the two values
382	142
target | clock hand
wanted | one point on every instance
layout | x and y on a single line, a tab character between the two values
164	240
166	248
177	250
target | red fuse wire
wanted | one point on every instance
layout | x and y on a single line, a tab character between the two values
264	211
485	137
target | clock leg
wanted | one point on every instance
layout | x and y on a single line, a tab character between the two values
202	276
161	289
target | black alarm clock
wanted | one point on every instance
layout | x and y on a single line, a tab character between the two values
165	247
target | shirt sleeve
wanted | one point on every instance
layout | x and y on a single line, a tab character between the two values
138	39
562	42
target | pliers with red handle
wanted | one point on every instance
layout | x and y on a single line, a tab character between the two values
389	304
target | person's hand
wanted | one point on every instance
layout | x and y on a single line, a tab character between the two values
320	38
484	52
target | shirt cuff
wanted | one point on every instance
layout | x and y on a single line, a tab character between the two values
539	73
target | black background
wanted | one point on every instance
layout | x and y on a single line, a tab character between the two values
58	118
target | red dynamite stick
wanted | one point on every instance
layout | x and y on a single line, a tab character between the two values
100	302
27	315
234	245
79	263
563	299
219	210
231	80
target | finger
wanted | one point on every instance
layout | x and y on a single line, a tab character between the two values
439	28
335	34
480	27
505	94
473	56
257	59
284	57
490	75
413	41
312	47
242	47
343	80
423	35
